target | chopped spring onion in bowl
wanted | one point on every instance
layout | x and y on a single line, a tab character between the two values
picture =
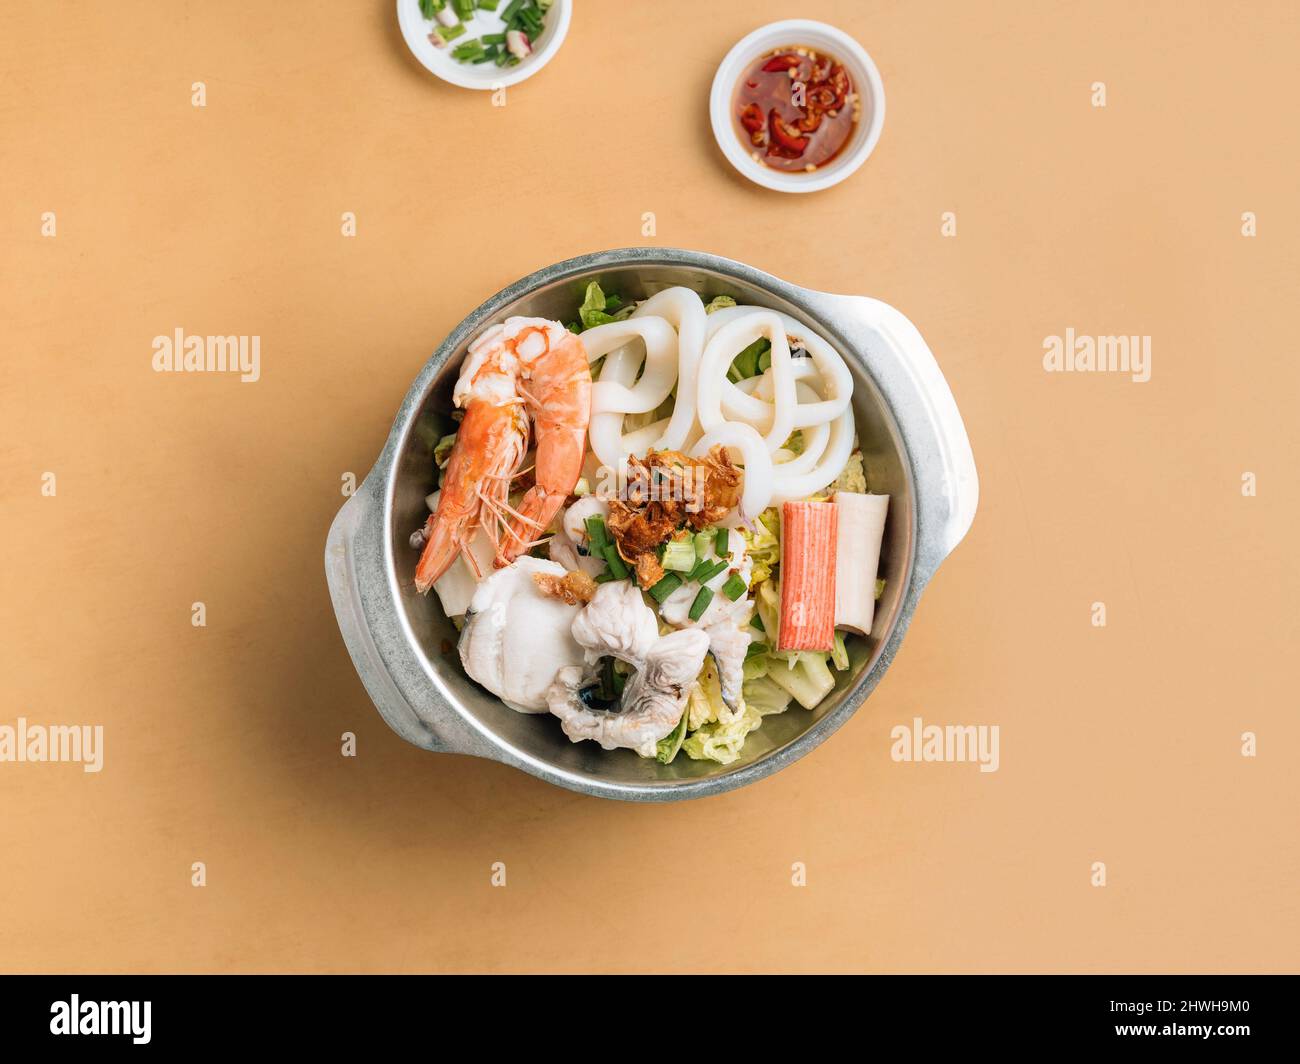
734	587
702	599
665	587
523	22
483	44
679	555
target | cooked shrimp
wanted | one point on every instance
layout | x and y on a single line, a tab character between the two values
525	368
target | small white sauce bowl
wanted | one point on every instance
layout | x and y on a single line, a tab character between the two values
822	38
416	29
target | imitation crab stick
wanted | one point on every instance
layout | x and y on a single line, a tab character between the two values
862	524
808	535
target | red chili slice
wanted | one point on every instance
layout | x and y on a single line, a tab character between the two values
782	62
785	137
810	122
821	98
839	81
751	117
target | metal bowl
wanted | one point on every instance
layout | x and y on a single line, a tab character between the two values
913	441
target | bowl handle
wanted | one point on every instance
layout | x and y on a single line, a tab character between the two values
900	362
354	558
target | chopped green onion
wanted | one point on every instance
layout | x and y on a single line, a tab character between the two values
666	586
450	33
707	570
512	9
494	38
722	544
703	541
488	5
679	555
616	564
429	8
757	622
464	8
604	577
596	534
713	570
719	566
701	603
470	51
735	587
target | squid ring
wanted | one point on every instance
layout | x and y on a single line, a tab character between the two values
615	392
827	360
682	309
735	335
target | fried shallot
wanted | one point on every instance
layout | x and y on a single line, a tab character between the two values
665	492
575	588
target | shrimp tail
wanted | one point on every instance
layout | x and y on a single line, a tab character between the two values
440	551
536	510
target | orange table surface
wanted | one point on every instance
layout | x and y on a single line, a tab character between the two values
1120	744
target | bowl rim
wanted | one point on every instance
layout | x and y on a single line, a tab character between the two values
754	44
489	743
